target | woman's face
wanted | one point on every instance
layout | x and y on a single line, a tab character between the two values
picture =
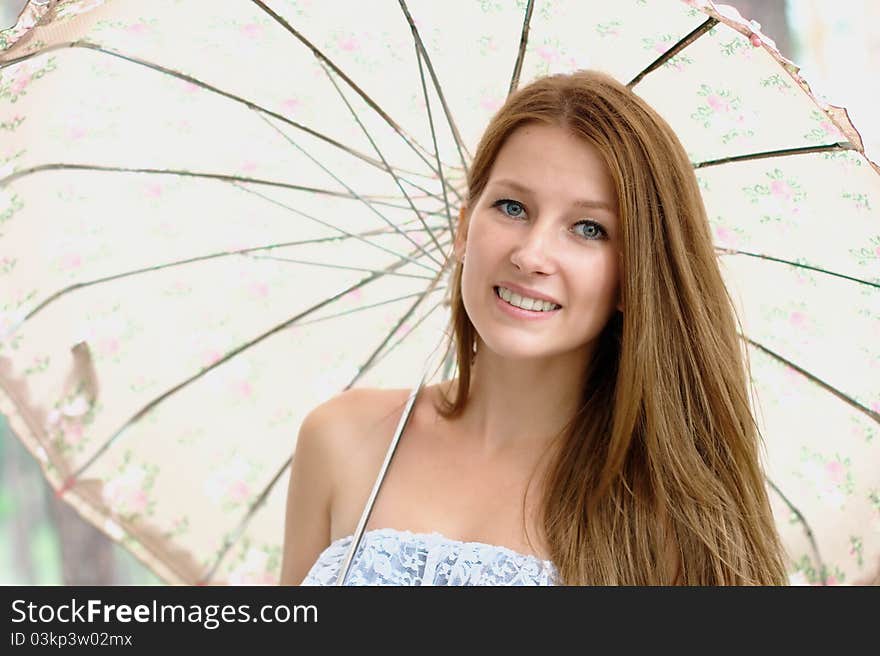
545	226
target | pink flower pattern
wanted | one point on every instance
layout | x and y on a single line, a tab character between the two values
349	43
548	54
127	493
798	319
238	491
211	357
782	189
252	30
73	433
76	132
491	103
355	294
259	289
230	485
291	105
245	389
70	261
726	237
20	83
717	103
836	472
109	346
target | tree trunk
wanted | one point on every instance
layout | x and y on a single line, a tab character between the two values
25	491
86	553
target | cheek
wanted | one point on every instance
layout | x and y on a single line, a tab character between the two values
476	280
482	251
472	276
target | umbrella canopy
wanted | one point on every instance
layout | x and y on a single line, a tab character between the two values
214	216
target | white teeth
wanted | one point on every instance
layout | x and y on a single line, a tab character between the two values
524	302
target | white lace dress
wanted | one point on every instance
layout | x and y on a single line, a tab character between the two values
393	557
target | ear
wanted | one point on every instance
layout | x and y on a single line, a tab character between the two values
461	233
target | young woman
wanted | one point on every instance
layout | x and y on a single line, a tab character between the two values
599	431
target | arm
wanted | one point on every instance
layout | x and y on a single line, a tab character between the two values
309	494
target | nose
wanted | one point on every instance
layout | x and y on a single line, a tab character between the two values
532	254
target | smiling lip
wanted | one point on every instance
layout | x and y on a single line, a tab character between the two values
519	313
530	293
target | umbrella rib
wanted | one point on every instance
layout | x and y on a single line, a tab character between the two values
783	152
387	231
62	166
523	42
265	493
459	142
370	360
330	225
244	251
434	141
382	157
201	84
872	414
335	266
238	350
807	529
252	509
410	331
733	251
683	43
242	525
412	143
362	199
361	308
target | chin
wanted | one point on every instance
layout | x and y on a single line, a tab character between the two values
517	348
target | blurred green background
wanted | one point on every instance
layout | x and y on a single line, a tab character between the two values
45	542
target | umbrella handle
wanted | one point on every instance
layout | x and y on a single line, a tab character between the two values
401	425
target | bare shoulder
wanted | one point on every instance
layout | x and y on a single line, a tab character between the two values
352	416
360	446
333	438
356	427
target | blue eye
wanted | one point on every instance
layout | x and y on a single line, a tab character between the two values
518	209
515	210
599	232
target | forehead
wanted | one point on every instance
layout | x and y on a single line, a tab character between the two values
554	161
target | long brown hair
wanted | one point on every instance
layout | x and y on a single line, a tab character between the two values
661	462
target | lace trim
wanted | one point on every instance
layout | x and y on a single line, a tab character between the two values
435	537
326	568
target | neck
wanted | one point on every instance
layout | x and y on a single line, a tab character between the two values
520	405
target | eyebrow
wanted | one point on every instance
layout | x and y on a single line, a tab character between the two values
587	204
